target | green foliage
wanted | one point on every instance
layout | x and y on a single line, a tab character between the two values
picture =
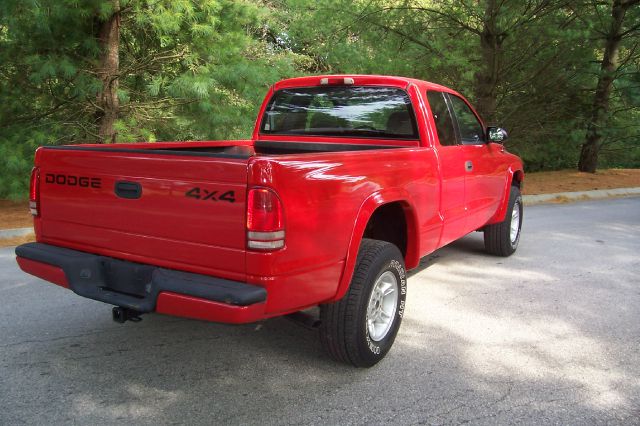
189	70
546	70
197	70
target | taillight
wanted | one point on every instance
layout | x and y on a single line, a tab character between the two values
265	220
34	192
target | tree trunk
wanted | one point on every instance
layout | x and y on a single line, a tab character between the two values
487	76
600	108
109	40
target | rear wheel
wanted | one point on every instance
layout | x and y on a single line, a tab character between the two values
360	328
501	239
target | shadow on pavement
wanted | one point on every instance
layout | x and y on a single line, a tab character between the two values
549	335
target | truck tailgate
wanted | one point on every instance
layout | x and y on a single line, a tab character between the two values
181	211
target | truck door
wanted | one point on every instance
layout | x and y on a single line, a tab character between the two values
451	157
484	179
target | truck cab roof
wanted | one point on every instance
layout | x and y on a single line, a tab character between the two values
357	80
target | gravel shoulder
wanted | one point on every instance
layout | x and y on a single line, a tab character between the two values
573	181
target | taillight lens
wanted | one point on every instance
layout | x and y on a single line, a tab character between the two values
34	192
265	220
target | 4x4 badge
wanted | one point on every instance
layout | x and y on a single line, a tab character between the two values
204	194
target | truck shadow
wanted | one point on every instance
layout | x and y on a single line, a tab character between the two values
468	245
167	370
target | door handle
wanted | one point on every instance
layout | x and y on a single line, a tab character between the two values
468	166
130	190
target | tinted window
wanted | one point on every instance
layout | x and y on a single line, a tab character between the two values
378	112
471	131
442	118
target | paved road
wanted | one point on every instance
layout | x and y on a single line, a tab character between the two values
550	335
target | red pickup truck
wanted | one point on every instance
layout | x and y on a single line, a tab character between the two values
346	181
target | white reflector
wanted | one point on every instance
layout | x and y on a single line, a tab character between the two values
265	245
33	207
265	236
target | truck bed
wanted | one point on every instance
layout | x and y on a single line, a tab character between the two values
189	215
235	151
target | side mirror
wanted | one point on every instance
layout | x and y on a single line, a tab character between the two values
496	134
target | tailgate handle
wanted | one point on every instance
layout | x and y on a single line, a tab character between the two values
131	190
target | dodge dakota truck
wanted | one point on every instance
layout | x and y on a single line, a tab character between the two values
346	182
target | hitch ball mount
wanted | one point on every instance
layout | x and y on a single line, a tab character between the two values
122	315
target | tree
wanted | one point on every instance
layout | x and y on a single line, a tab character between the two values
147	70
519	63
130	70
613	39
108	105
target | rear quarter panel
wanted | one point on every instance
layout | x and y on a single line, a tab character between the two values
323	197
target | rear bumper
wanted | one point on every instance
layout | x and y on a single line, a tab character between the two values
144	288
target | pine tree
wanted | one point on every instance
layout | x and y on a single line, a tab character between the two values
129	70
613	41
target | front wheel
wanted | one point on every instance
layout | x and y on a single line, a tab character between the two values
360	328
501	239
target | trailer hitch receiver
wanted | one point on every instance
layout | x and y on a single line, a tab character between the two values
121	315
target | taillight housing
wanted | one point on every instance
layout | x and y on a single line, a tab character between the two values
265	220
34	192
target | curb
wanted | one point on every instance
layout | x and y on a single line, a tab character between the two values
597	194
15	232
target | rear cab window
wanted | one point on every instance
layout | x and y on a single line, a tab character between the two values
341	111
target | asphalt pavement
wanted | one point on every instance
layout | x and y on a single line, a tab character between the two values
550	335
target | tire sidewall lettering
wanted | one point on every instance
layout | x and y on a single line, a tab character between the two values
376	348
402	275
517	204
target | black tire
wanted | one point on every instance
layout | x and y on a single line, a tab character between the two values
344	329
497	237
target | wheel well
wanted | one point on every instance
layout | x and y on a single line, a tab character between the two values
517	179
389	223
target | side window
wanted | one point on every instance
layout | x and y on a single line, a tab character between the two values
471	132
442	118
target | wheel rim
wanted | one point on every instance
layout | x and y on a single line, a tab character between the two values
383	303
515	222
